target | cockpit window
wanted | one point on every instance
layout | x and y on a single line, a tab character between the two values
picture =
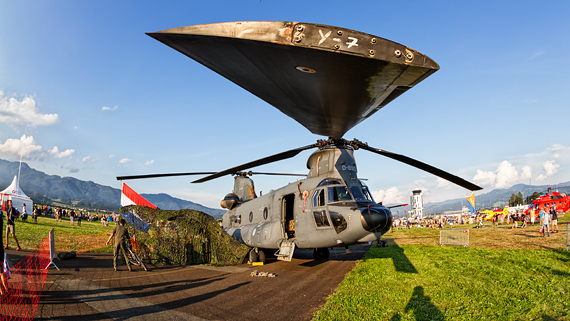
367	193
338	194
330	181
319	199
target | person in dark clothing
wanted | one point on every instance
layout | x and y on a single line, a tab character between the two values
554	219
121	236
11	216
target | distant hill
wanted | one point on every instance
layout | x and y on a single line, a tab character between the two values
47	189
495	198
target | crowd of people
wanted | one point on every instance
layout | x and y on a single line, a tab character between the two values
547	219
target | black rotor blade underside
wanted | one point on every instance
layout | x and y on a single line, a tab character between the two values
259	162
326	78
423	166
122	178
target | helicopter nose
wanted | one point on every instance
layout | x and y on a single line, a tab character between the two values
376	219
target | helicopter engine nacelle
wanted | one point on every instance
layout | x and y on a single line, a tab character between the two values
230	201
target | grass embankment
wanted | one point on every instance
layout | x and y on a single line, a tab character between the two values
90	236
504	274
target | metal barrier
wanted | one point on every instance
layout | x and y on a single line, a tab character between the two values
454	236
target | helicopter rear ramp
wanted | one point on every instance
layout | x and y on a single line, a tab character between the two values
328	79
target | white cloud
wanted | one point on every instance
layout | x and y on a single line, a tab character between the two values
507	175
86	159
16	112
150	162
57	154
26	145
390	196
111	156
550	168
442	183
109	108
484	178
124	161
526	173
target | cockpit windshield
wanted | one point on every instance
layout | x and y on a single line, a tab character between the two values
352	191
367	193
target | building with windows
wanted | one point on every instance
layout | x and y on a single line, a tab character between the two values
417	204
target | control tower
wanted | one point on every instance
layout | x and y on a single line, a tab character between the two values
417	204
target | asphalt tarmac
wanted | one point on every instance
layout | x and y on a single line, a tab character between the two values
86	288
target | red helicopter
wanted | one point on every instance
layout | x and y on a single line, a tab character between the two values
560	201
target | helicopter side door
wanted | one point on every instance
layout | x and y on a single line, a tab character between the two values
288	212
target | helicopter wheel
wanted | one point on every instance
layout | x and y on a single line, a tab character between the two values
253	257
321	254
261	256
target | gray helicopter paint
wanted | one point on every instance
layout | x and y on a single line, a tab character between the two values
247	224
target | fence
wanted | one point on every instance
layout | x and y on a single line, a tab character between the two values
454	237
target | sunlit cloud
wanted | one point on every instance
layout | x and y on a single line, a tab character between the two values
57	154
124	161
389	196
86	159
25	146
550	168
18	112
109	108
150	162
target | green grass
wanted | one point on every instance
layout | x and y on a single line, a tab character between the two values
90	236
412	282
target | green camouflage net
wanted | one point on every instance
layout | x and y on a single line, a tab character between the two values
183	237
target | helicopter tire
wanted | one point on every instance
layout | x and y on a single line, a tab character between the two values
321	254
253	257
261	256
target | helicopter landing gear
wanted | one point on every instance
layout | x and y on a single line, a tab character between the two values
256	255
321	254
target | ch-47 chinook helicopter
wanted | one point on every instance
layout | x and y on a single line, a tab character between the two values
328	79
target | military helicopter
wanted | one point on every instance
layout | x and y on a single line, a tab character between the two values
328	79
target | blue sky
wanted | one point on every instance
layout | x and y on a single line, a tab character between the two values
85	93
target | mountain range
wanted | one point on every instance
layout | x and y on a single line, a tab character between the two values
47	189
50	189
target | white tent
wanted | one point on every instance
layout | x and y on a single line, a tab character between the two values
15	193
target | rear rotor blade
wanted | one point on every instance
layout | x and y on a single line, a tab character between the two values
122	178
423	166
259	162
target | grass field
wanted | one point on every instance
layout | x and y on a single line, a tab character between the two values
504	274
90	236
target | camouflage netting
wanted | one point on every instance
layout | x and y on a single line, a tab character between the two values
182	237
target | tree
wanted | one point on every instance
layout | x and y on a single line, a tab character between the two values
519	200
512	200
532	197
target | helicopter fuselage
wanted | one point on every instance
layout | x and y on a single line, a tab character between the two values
330	208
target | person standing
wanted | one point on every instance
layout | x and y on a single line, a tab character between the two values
531	212
554	218
546	222
121	236
11	215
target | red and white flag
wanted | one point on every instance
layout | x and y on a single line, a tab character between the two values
130	197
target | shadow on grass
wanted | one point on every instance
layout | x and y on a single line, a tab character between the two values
422	307
396	253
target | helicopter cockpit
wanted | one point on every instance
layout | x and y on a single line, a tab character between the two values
338	191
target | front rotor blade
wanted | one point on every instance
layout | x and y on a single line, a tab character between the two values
259	162
122	178
423	166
